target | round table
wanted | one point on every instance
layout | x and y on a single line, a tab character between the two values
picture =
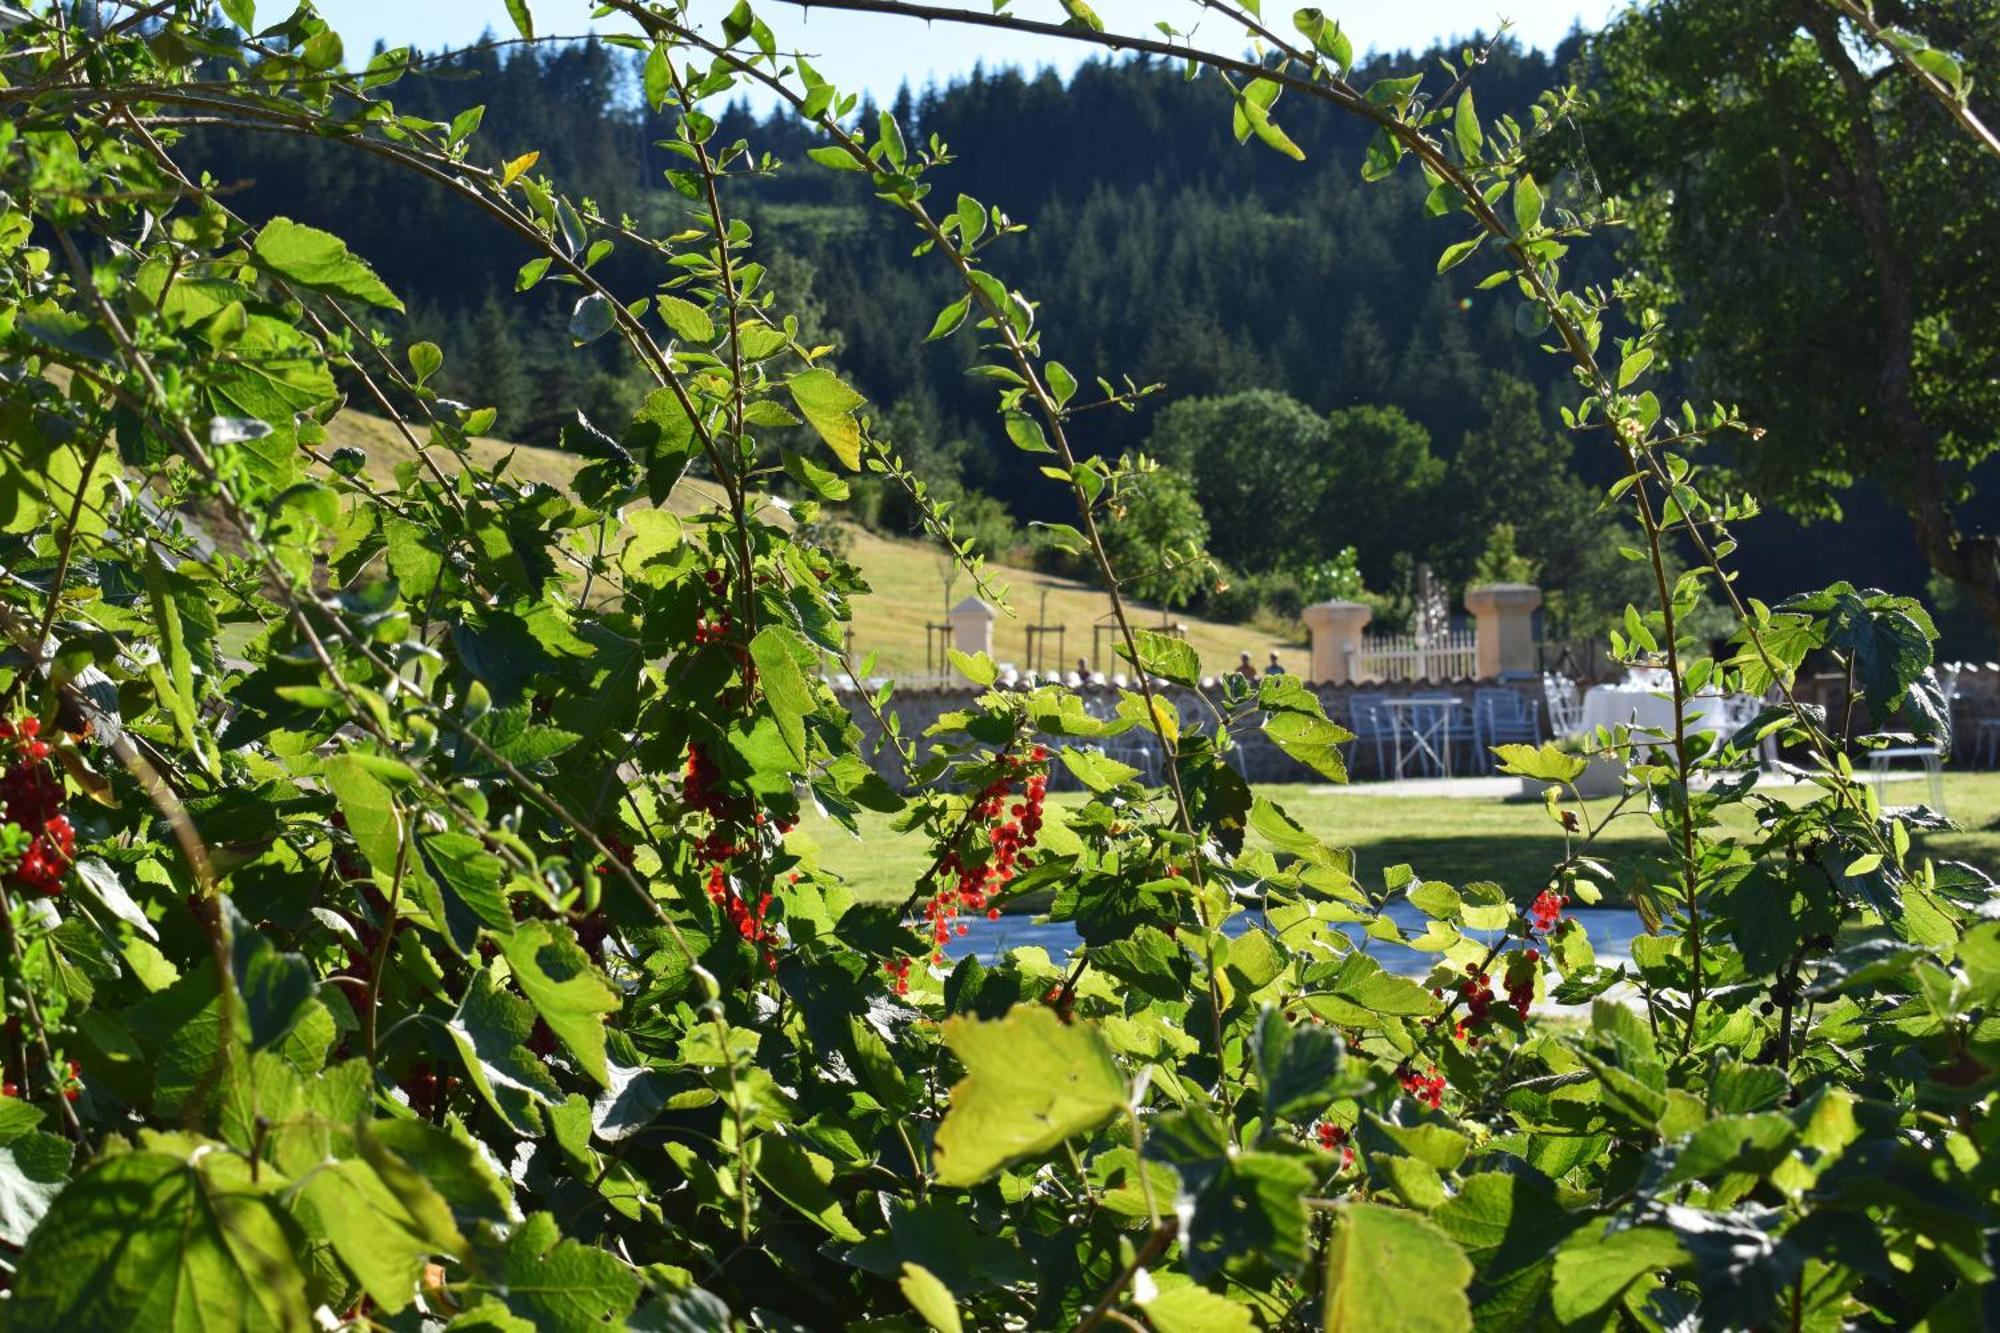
1639	706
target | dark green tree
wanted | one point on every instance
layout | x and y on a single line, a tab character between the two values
1156	534
1258	462
1515	471
495	373
1828	235
1381	478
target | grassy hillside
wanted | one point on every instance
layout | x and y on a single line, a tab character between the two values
907	576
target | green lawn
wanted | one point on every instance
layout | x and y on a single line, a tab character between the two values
1455	840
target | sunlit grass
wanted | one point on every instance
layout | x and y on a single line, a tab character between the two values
1512	843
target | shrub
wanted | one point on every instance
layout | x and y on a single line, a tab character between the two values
403	923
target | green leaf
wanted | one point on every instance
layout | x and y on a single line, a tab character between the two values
488	1030
382	1239
425	358
179	675
1943	67
777	652
524	21
593	317
1095	771
1634	366
277	987
1326	36
1184	1306
1387	1268
929	1297
971	219
316	259
1253	117
978	668
370	809
1465	128
834	156
1030	1082
1544	763
1299	1067
1165	656
1593	1270
1455	255
474	875
1527	205
829	406
1504	1221
148	1240
572	997
561	1286
1062	384
1026	433
890	135
243	13
801	1178
34	1167
949	319
686	319
1313	741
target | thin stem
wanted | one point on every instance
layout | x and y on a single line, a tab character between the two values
1156	1245
36	1023
1955	106
387	934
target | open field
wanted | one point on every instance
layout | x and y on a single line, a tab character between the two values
906	575
1454	839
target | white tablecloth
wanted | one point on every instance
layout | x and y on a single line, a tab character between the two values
1636	706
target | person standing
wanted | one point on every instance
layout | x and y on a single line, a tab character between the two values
1246	668
1276	668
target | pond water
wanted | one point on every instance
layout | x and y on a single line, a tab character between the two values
1612	930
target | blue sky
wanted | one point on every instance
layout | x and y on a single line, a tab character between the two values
876	53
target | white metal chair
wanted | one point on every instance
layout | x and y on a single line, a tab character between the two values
1927	755
1565	705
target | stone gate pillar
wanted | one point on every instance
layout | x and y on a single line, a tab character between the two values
1505	614
972	626
1336	640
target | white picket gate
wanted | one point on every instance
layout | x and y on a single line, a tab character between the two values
1451	655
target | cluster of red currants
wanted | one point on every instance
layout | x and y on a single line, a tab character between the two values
1475	992
31	800
1331	1137
72	1083
702	790
428	1090
1426	1088
1522	965
715	626
1545	913
971	888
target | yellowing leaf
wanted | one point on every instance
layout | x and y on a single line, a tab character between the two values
1030	1082
1387	1268
930	1297
518	168
829	406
